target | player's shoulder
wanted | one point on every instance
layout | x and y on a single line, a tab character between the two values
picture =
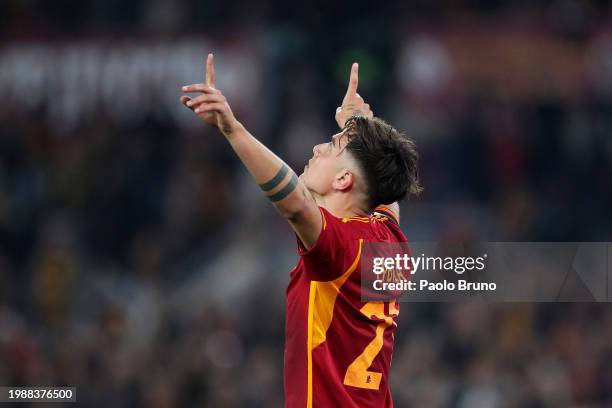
380	224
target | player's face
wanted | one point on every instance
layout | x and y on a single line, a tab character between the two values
327	161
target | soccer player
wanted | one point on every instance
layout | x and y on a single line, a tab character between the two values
338	347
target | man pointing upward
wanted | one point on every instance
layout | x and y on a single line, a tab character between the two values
338	348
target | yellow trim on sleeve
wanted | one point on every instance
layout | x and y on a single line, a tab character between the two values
390	211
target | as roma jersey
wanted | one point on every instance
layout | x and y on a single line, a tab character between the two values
338	348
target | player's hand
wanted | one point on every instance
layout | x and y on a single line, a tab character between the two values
211	106
353	103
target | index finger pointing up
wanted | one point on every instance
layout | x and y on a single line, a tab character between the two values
210	70
354	79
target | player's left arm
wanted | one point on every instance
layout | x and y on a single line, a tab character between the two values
278	181
354	104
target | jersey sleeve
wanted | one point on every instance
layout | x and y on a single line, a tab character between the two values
382	210
325	259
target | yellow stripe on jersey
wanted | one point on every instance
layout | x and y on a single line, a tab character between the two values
359	219
321	301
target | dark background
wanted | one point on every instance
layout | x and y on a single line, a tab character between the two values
139	263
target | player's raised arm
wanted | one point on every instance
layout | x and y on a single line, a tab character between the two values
354	104
278	182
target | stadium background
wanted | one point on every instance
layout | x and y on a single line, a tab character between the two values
139	263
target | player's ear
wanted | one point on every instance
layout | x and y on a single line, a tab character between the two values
343	180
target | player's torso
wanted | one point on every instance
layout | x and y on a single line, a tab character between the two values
339	348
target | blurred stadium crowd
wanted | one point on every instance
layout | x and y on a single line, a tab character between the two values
140	264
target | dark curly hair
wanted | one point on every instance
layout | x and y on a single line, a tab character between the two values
388	159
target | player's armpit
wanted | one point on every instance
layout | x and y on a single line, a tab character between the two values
294	202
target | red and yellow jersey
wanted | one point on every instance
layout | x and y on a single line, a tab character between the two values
338	348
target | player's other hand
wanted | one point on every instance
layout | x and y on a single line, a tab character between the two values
353	103
211	106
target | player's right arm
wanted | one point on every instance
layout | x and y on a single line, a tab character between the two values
353	104
281	185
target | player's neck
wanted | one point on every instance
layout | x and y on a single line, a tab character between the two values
340	206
